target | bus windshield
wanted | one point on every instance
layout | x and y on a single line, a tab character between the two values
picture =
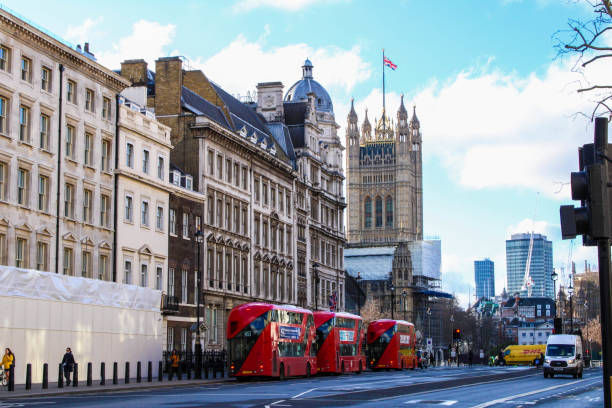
560	350
378	346
323	331
241	344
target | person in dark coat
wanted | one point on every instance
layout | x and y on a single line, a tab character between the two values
68	364
470	357
432	360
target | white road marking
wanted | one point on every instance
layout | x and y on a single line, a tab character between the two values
302	393
525	394
443	403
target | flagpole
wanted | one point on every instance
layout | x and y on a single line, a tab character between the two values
384	110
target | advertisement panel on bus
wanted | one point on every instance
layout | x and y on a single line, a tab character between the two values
340	342
391	344
271	340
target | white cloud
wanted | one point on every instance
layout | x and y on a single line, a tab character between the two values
81	33
242	64
147	40
286	5
528	225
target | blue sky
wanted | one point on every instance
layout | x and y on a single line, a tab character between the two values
496	106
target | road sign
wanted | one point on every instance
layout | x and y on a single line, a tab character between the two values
429	344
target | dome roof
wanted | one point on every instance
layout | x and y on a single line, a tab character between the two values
300	90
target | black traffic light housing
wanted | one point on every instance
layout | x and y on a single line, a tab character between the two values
457	334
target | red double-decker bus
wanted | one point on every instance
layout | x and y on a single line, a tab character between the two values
340	342
270	340
391	344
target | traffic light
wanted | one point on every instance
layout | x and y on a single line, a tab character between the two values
590	186
457	334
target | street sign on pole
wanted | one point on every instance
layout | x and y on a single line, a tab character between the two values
429	344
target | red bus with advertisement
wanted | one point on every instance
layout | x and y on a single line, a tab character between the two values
340	342
270	340
391	344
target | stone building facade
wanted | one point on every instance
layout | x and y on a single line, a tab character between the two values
57	128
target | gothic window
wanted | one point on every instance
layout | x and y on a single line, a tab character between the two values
368	212
379	210
389	211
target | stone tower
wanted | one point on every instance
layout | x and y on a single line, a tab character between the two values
385	194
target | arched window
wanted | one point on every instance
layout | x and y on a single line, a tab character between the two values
389	211
368	212
379	210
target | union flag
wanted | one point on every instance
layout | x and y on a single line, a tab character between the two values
387	62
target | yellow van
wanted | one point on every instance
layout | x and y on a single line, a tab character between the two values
527	354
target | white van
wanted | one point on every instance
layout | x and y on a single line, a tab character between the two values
563	355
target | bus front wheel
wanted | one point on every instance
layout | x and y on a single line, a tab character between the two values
281	373
307	370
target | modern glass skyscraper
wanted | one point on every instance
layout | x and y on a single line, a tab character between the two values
541	266
484	275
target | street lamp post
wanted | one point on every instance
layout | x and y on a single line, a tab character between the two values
554	276
429	323
404	297
198	344
358	279
392	301
315	274
570	290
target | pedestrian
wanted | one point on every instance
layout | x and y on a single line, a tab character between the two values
432	360
541	361
470	357
7	361
174	360
68	364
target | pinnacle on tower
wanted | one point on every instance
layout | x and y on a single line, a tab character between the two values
366	127
402	108
352	116
307	69
414	122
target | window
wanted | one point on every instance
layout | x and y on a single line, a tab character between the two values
389	211
264	190
87	195
228	170
281	206
87	159
128	209
144	213
170	345
24	124
44	132
129	155
70	141
256	190
68	200
273	197
106	155
211	211
68	261
256	232
144	275
21	249
220	167
378	212
89	100
71	89
183	339
184	294
159	224
3	115
228	217
211	163
185	225
236	219
172	221
289	241
160	168
106	108
3	248
170	281
45	79
85	264
198	223
26	69
245	222
244	178
158	277
368	212
23	179
102	267
145	161
43	193
265	234
236	174
219	212
127	272
3	180
5	55
209	268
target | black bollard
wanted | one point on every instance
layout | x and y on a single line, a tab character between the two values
28	384
127	372
179	375
45	382
115	373
60	376
188	372
89	370
160	372
102	373
150	371
11	384
138	372
75	375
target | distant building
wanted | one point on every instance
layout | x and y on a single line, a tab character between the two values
534	333
484	275
517	252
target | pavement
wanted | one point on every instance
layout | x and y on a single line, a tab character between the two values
479	387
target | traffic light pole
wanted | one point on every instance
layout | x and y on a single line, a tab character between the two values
603	254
